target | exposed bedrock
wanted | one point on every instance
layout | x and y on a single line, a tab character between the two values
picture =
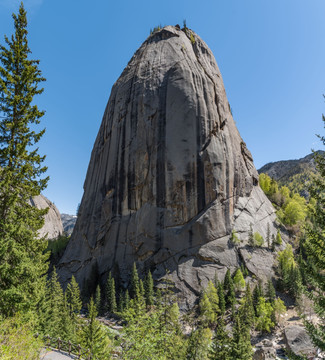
169	176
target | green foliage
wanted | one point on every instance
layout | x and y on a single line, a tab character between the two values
270	292
313	247
134	285
292	208
241	342
251	241
73	298
153	334
221	344
278	309
208	316
93	335
192	38
98	299
22	258
234	238
221	296
264	312
52	310
198	345
229	289
268	236
246	310
56	247
239	282
258	239
278	238
17	340
149	291
110	295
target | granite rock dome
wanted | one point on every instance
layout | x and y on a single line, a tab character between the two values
169	177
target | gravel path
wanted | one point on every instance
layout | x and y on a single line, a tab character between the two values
55	355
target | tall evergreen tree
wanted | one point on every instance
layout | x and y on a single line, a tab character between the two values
314	250
241	342
221	344
149	291
246	311
94	336
270	291
98	299
22	258
221	295
268	236
134	285
73	298
52	308
110	295
229	289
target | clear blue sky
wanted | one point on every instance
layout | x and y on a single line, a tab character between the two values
271	55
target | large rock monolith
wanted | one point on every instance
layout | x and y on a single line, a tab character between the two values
169	177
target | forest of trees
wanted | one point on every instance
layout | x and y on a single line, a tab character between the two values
152	326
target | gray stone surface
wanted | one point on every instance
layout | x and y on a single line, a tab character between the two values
52	222
298	341
169	176
264	353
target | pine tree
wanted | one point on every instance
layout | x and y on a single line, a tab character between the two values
257	293
251	241
273	242
221	343
278	239
110	295
241	347
246	311
206	312
229	289
134	285
149	291
198	344
73	298
268	236
93	335
222	300
314	250
98	299
52	308
270	292
239	281
22	257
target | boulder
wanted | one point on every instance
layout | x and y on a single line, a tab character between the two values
298	341
169	177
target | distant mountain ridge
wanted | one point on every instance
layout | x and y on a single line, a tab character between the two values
295	174
285	169
68	222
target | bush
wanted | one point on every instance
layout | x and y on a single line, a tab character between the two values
17	340
258	239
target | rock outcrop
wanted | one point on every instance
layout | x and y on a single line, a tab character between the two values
52	227
169	177
298	341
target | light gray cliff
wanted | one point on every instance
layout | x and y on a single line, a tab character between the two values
52	227
169	176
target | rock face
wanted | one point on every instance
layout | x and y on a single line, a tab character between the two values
169	176
52	223
298	341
